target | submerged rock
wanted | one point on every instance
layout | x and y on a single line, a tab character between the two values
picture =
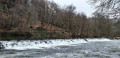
1	46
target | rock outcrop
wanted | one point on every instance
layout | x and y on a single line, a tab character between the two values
1	46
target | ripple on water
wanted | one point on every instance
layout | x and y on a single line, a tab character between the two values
87	50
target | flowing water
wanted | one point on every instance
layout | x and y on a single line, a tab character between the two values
61	48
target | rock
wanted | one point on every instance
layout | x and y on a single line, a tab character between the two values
117	38
1	46
86	40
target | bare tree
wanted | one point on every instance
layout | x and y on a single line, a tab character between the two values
108	7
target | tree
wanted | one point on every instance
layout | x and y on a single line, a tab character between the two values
103	25
17	13
108	7
70	12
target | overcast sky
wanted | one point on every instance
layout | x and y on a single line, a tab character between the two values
81	5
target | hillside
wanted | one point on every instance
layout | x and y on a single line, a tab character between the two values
46	19
39	30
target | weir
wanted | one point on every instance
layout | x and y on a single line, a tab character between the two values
40	44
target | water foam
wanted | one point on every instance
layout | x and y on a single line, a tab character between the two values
40	44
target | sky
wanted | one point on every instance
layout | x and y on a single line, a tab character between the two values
82	6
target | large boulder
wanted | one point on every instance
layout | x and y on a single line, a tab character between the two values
1	46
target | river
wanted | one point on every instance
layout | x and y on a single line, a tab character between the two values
61	48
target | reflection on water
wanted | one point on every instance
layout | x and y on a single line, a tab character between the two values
25	38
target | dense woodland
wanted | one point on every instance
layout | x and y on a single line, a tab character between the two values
46	18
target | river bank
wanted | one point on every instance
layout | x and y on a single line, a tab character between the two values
40	35
33	35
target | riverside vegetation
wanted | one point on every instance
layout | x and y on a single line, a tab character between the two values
45	19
